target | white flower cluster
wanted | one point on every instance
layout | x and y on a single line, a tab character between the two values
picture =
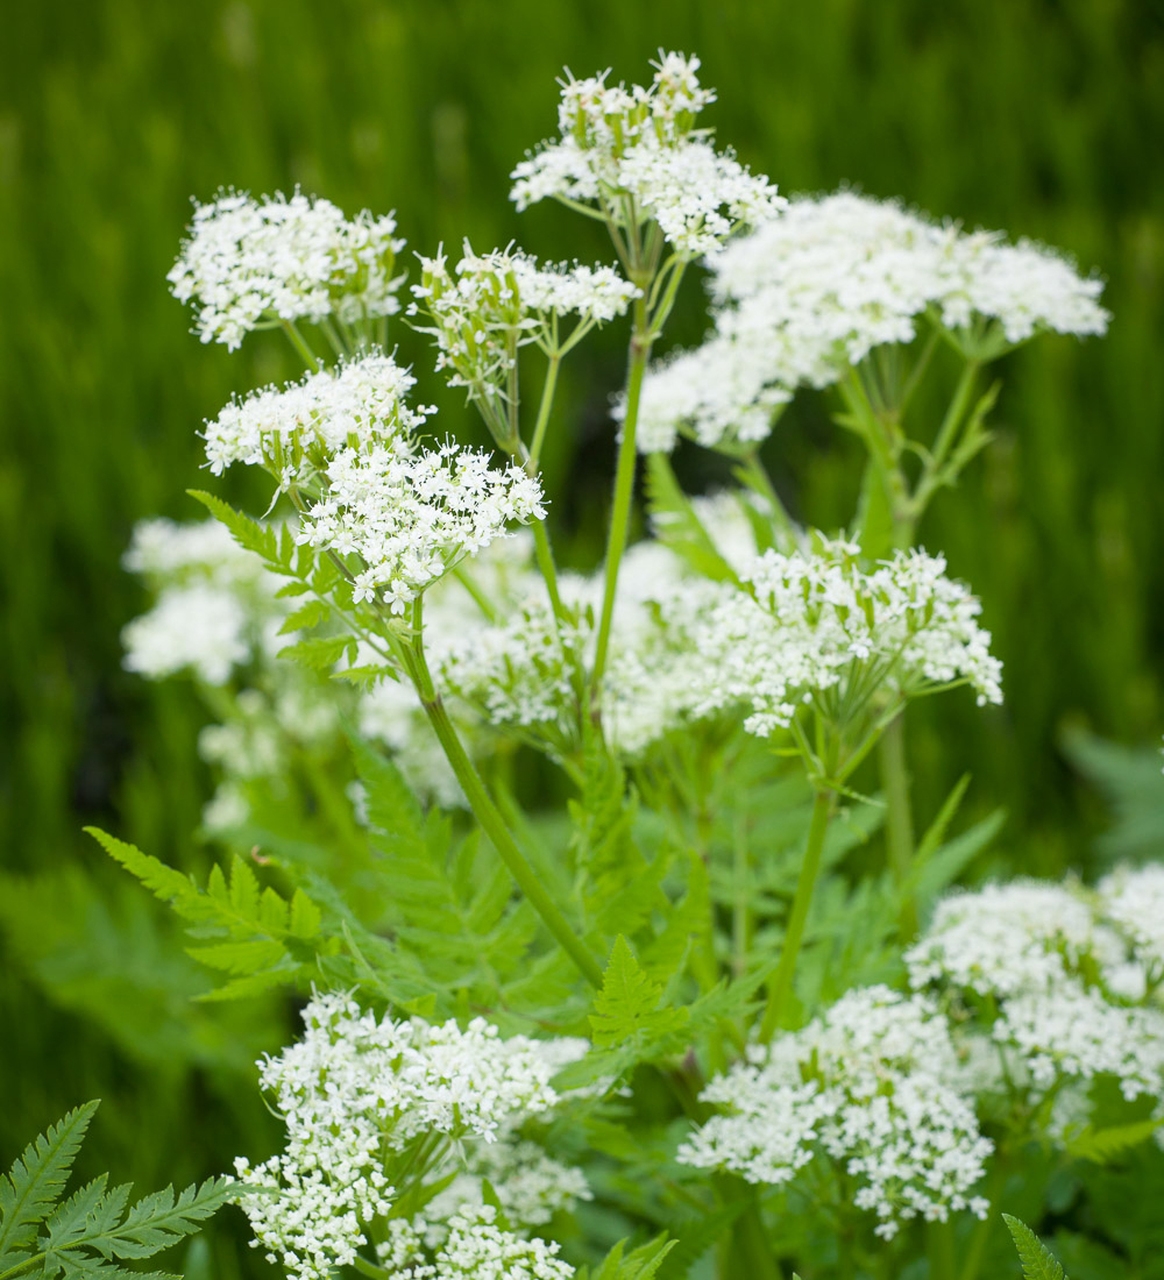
293	431
249	264
410	513
215	609
813	292
820	626
497	301
476	1248
1133	901
1058	978
639	146
411	517
868	1085
355	1090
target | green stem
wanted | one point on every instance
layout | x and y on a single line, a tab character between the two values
898	820
978	1241
26	1265
750	1252
624	485
300	345
948	431
535	451
755	475
545	559
491	821
943	1258
781	985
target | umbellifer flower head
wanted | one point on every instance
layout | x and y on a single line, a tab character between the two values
868	1085
251	264
636	154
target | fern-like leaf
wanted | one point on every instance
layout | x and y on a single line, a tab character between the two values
247	932
32	1187
1101	1146
1039	1263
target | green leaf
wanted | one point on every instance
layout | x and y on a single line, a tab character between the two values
319	653
677	526
943	867
36	1179
306	617
1039	1263
243	929
626	1008
1101	1146
247	532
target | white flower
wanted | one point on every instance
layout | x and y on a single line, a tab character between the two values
1050	980
293	430
868	1085
1132	899
355	1088
494	303
201	627
813	292
411	517
216	606
477	1249
638	148
1071	1031
1005	939
819	624
252	263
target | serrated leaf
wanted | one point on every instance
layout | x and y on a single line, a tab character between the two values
37	1177
306	919
626	1006
1101	1146
306	617
318	653
1039	1263
248	533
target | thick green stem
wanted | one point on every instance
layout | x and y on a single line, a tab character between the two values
539	435
493	824
624	486
749	1253
780	987
943	1257
545	559
898	821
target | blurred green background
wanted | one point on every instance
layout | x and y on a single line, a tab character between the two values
1043	118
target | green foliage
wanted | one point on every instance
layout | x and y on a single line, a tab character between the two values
640	1264
1103	1145
1039	1263
1132	783
676	525
626	1010
251	934
96	1228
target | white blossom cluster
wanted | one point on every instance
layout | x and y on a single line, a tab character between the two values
347	437
410	517
1133	902
813	292
1060	979
249	264
215	608
820	625
293	431
867	1085
492	303
476	1248
356	1089
639	146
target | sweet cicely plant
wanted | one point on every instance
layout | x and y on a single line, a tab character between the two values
659	1006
